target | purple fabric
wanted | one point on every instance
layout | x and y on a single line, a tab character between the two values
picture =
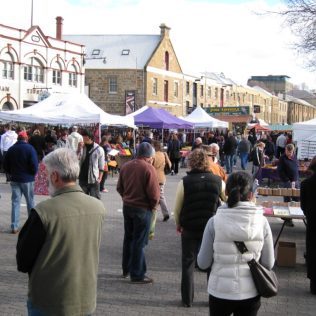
159	118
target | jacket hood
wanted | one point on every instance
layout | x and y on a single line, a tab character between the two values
244	220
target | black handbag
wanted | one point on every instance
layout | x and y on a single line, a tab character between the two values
265	280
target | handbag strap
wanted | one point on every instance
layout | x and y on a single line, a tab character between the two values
241	246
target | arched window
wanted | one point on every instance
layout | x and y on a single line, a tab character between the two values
7	106
57	73
34	71
73	76
7	67
167	60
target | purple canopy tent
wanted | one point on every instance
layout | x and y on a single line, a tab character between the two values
160	118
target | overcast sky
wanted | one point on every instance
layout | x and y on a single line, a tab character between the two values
229	36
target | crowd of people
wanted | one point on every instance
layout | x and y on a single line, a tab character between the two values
213	209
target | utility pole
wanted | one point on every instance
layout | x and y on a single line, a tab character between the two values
31	13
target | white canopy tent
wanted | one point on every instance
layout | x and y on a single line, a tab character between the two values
201	119
303	130
66	109
304	133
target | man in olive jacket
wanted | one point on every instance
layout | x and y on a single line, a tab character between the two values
59	244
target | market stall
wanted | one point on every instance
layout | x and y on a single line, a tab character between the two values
200	119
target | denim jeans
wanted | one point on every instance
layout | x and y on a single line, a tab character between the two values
136	226
27	189
34	311
229	161
243	160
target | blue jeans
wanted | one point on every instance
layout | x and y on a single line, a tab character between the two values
27	189
136	226
34	311
244	160
229	162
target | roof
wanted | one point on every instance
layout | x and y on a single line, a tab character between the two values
301	94
116	51
289	98
219	78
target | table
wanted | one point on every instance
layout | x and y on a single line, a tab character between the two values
301	217
271	173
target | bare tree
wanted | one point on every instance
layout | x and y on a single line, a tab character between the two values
300	15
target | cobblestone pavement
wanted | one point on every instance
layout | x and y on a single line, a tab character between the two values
117	297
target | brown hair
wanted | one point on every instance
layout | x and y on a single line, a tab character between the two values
156	144
198	159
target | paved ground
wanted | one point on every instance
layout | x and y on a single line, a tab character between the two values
117	297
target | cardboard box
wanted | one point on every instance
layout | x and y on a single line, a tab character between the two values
286	256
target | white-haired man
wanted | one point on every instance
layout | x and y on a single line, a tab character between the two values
58	247
74	139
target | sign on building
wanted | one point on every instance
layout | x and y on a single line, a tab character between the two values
229	110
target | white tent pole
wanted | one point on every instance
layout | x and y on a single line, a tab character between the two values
162	138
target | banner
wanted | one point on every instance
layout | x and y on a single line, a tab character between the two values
129	102
229	110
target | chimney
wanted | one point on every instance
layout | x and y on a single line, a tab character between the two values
164	30
59	27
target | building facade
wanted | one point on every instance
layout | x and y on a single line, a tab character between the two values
34	65
126	72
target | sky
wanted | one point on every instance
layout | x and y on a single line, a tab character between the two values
234	37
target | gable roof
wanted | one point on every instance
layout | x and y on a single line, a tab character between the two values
106	51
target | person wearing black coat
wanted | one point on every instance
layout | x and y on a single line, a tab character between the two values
174	154
308	206
230	147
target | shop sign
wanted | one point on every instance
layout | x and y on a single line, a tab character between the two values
229	110
4	88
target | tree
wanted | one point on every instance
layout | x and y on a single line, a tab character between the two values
300	15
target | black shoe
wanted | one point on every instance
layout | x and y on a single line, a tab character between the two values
145	280
165	218
186	305
124	275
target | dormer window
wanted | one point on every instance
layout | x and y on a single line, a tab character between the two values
96	52
125	52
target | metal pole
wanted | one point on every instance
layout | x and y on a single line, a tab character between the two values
31	13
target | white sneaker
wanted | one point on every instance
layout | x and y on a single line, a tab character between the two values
172	172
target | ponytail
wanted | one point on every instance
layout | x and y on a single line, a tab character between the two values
238	187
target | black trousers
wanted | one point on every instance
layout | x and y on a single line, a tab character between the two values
190	247
221	307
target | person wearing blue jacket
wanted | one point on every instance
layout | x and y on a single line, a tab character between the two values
21	164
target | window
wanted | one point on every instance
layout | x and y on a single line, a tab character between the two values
125	52
7	67
57	74
216	93
176	89
155	86
112	85
166	60
96	52
209	92
187	87
166	91
34	71
57	77
72	76
201	90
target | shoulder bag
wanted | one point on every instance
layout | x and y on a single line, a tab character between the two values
265	280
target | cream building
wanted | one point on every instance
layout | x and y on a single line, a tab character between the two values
34	65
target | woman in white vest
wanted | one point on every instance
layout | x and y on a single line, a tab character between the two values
231	288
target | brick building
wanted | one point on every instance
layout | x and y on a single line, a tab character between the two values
126	72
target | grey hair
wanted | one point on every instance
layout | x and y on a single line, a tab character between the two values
65	162
214	146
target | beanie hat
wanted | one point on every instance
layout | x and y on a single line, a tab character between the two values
145	150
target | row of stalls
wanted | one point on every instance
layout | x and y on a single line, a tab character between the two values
77	109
